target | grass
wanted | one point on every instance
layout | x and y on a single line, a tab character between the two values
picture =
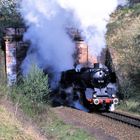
10	129
40	113
23	102
48	123
130	106
61	131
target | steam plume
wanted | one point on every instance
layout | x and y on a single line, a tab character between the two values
47	21
93	16
50	45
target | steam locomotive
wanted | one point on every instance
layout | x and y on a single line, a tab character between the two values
95	86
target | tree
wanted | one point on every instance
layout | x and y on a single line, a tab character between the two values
134	1
8	7
35	85
9	15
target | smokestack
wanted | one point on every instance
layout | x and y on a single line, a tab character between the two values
81	52
83	55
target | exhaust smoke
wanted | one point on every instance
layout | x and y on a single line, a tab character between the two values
47	21
51	47
93	16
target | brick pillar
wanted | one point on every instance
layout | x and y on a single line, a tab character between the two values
10	51
15	52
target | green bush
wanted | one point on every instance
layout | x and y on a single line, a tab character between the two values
35	85
130	106
31	92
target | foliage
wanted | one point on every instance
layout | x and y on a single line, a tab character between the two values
130	106
123	40
9	15
57	129
35	85
32	92
132	2
10	129
8	6
32	109
63	132
29	96
136	9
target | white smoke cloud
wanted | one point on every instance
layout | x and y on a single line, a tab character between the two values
93	16
47	21
123	2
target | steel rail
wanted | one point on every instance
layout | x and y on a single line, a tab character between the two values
130	120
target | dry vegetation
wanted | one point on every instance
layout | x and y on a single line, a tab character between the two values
10	127
123	40
25	98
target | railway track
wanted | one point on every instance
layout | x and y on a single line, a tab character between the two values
134	121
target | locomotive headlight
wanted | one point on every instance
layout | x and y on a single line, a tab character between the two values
113	95
96	101
115	101
94	95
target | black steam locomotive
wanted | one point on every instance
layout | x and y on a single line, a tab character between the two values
94	87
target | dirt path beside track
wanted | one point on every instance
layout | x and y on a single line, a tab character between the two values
100	127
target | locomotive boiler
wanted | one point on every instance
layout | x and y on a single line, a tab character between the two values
95	86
